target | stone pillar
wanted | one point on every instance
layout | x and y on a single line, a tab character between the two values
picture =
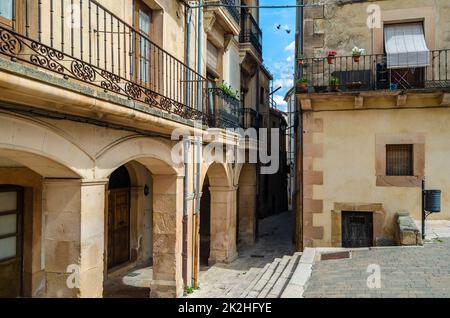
247	214
167	236
247	206
74	237
223	225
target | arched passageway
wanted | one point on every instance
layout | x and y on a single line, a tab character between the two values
218	216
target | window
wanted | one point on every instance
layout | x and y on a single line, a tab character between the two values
6	9
6	12
399	160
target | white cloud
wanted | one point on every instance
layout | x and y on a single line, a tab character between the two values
281	104
290	58
285	83
290	47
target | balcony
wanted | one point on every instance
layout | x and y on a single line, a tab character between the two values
250	32
370	73
249	118
231	9
224	12
94	46
224	112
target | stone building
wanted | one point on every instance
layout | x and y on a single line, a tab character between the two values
371	127
90	93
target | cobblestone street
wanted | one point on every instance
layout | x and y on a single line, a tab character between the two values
405	272
275	240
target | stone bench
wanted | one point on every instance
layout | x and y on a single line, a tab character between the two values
407	233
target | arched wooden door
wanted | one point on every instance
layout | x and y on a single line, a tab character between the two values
119	218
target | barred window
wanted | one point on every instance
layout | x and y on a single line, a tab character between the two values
399	160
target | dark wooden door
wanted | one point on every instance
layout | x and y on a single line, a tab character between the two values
357	229
11	212
118	227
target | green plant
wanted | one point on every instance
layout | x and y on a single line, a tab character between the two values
334	81
356	51
189	290
227	90
302	81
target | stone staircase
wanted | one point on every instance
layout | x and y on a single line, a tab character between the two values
269	282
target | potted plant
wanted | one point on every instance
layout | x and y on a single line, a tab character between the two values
302	84
334	84
356	53
331	57
301	60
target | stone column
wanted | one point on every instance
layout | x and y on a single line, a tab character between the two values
167	236
223	225
74	237
247	214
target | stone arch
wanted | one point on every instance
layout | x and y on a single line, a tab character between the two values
151	152
217	186
43	148
143	156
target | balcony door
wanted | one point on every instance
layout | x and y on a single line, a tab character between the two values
144	48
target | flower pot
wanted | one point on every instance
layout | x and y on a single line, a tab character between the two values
334	88
301	62
303	88
356	58
331	59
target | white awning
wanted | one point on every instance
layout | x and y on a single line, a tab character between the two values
406	46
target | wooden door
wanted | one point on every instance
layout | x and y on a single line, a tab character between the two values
118	227
11	212
357	229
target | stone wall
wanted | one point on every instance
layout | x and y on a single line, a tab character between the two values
342	25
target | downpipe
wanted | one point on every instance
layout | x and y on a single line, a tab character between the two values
186	148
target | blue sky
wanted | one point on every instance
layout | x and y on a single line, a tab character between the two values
278	45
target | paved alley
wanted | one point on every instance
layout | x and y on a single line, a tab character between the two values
275	240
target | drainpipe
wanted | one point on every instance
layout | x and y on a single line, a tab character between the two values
199	52
198	194
186	147
198	146
298	147
188	55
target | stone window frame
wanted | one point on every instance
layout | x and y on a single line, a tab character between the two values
376	209
427	15
417	140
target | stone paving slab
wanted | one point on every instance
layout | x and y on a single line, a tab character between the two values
405	272
275	241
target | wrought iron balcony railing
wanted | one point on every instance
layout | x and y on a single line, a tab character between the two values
250	31
81	39
249	118
234	11
224	109
370	72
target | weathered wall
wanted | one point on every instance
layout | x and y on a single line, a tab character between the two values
340	164
340	27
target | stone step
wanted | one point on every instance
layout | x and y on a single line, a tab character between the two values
284	278
243	284
264	279
276	275
253	283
